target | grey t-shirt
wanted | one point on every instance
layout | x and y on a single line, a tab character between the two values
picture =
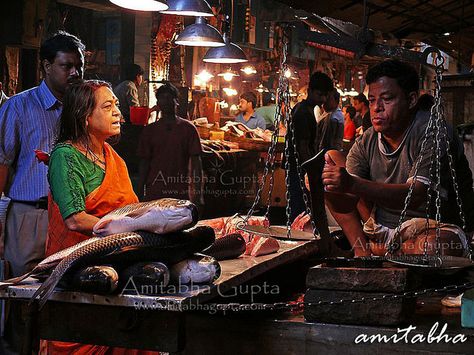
371	158
127	94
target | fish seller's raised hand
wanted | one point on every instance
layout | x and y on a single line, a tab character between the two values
336	178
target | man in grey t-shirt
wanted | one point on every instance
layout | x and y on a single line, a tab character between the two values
374	181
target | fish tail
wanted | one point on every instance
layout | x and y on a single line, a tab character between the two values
45	290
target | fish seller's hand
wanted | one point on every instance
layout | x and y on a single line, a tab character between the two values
336	178
306	182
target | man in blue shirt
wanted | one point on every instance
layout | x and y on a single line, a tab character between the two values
247	114
29	121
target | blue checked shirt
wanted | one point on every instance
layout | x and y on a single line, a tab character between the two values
28	121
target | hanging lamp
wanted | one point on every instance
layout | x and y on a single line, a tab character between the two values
200	34
189	8
142	5
228	54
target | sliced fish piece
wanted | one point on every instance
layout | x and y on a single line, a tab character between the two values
452	301
200	269
230	246
262	246
169	248
161	216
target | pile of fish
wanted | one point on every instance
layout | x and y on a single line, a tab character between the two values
104	264
218	145
240	130
228	245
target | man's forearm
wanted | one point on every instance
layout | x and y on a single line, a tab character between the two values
388	195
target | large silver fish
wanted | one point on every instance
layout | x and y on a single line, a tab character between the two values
167	248
161	216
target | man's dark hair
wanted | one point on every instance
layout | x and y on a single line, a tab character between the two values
250	97
405	74
425	102
167	88
60	41
132	71
267	98
351	111
362	98
337	96
321	82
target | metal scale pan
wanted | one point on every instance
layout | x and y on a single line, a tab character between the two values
444	262
278	232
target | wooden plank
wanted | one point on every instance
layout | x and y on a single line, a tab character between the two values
369	312
388	279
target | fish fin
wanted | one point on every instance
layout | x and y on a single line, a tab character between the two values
101	225
14	281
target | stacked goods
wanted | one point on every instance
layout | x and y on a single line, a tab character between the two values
353	283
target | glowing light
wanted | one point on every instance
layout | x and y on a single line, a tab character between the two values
287	73
141	5
229	91
249	70
204	76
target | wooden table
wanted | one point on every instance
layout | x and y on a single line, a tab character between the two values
141	321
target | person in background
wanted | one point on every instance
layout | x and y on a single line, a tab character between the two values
349	127
127	90
306	140
194	110
169	152
372	184
83	175
268	110
3	96
29	121
331	123
361	105
247	115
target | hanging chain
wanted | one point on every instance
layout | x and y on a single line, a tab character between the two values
237	307
271	153
436	129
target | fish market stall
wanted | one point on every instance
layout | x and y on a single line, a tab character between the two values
145	319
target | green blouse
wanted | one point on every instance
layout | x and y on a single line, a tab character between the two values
71	178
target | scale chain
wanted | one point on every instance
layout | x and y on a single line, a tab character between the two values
236	307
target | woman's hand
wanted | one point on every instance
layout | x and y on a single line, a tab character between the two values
81	222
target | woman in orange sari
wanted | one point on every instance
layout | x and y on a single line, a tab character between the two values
87	180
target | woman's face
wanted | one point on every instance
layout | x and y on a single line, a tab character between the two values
104	122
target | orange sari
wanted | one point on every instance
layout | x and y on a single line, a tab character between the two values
114	192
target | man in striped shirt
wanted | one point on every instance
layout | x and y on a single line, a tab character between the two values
29	121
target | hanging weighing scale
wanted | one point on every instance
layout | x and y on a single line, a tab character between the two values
437	132
282	117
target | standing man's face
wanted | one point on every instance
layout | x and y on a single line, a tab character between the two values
317	97
139	79
390	106
357	105
167	103
244	105
66	68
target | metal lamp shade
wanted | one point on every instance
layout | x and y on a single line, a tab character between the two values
200	34
142	5
228	54
189	8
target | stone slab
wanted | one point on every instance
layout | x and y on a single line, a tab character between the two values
390	279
